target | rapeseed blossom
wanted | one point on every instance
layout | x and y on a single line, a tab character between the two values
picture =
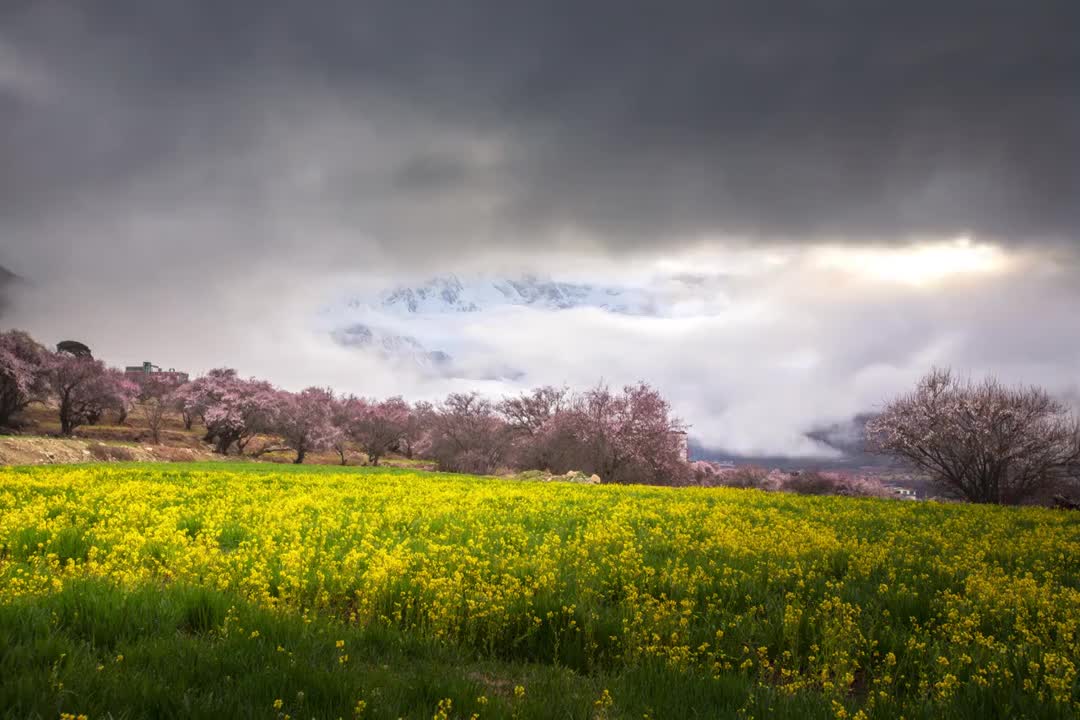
798	593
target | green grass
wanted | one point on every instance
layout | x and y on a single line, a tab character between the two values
183	652
186	652
163	653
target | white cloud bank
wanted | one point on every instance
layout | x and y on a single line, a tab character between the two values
753	347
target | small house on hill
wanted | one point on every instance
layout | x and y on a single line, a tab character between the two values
148	370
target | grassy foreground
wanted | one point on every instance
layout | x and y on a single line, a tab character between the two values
264	591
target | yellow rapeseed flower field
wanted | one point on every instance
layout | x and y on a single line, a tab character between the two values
876	605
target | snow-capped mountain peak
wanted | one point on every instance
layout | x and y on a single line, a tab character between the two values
448	294
440	294
434	324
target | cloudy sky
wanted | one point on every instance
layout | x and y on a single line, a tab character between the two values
827	198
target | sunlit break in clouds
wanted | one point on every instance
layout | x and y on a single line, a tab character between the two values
918	264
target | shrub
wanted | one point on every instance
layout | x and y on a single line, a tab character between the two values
811	483
746	476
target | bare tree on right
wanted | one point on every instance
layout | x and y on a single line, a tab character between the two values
985	442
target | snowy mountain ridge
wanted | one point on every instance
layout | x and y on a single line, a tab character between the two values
448	294
439	324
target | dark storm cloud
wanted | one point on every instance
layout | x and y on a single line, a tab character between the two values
632	122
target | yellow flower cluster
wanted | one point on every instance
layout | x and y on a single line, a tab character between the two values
838	595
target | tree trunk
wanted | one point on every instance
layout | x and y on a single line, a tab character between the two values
155	429
66	426
300	453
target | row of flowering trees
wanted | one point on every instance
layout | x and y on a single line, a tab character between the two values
983	442
624	436
82	388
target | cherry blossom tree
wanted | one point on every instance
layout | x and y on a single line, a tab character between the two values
305	421
81	386
185	400
417	436
345	416
985	442
197	396
531	419
380	426
627	437
125	394
653	440
23	374
622	437
529	412
467	435
235	410
154	400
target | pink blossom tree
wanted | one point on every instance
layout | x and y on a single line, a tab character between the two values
529	412
82	387
236	410
984	442
153	402
530	418
305	421
125	394
185	400
627	437
197	396
417	436
654	441
380	427
345	416
467	435
23	374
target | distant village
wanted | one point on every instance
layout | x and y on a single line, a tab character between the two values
172	376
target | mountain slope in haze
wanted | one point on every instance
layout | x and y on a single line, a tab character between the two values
8	280
846	439
401	348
